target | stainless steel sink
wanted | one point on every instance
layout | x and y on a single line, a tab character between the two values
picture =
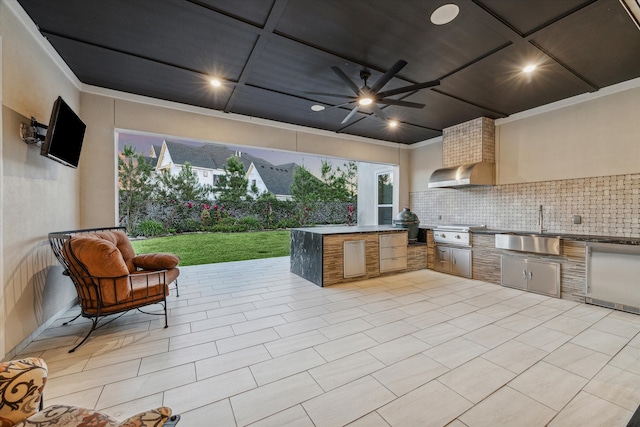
533	242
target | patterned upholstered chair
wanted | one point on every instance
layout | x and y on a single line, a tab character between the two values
21	386
109	278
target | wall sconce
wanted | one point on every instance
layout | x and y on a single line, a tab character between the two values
34	132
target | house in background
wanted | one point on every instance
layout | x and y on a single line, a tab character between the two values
208	161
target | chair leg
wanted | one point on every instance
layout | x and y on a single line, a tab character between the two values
166	323
94	325
67	322
177	290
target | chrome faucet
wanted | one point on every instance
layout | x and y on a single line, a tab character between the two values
541	221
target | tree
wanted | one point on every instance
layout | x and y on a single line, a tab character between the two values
305	188
232	186
134	177
350	174
184	186
338	183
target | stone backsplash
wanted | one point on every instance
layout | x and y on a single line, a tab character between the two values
469	142
608	206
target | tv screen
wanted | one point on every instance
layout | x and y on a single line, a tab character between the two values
65	133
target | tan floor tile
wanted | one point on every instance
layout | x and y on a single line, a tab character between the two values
257	324
125	410
350	327
219	411
472	321
295	343
84	399
254	405
567	324
409	374
544	338
490	336
391	331
600	341
432	405
386	316
508	407
162	361
579	360
515	356
344	370
548	384
518	323
292	417
612	325
476	379
226	345
455	352
145	385
341	347
337	407
217	365
300	326
284	366
201	393
370	420
398	349
586	410
617	386
195	338
440	333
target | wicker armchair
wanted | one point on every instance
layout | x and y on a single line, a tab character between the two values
21	403
109	278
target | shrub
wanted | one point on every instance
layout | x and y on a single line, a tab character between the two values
149	228
287	223
251	222
187	225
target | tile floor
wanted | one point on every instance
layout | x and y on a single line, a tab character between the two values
250	343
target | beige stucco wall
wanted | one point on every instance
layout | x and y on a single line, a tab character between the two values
595	137
37	194
105	111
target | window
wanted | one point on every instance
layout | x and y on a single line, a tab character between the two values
385	198
253	182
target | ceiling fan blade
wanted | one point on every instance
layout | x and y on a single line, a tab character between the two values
409	88
395	69
351	114
346	79
400	103
378	112
334	106
333	95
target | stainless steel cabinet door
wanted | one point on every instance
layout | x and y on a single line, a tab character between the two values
514	272
544	277
442	261
461	262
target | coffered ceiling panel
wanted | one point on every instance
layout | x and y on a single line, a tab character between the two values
276	56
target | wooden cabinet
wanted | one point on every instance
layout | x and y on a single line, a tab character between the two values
542	277
453	260
393	252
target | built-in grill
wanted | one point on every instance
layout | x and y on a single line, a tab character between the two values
455	234
451	252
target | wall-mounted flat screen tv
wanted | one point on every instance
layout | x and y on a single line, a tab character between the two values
65	134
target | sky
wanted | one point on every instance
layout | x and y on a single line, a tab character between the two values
143	143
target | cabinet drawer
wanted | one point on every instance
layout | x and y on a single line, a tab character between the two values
395	239
393	252
391	264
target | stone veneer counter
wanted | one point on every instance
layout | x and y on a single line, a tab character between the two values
317	252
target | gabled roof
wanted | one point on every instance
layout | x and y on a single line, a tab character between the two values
277	178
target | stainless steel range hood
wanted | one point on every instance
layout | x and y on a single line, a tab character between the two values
481	173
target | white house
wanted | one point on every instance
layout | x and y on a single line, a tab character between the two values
208	161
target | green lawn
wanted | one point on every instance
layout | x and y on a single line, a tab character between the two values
209	248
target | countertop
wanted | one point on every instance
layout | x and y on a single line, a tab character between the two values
566	236
345	229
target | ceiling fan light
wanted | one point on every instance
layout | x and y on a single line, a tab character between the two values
529	68
215	82
365	101
393	123
317	107
445	14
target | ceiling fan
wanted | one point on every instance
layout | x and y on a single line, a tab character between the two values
370	96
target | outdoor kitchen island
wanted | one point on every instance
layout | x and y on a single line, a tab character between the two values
339	254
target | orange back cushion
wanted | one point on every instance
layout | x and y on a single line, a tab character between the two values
123	244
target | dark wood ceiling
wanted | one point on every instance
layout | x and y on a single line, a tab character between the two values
271	53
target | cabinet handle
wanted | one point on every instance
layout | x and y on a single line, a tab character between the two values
524	274
454	261
530	275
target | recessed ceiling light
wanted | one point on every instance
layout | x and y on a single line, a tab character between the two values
393	123
317	107
529	68
365	101
445	14
215	82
